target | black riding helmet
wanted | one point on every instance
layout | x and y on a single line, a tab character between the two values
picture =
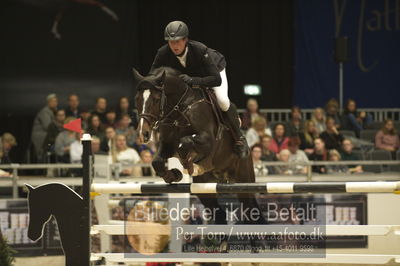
176	30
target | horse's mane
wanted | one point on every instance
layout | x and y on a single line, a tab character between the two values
168	71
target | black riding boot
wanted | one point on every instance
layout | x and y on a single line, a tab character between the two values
241	147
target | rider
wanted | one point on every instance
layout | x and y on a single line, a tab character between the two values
197	62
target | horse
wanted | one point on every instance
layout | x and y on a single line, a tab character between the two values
66	206
189	129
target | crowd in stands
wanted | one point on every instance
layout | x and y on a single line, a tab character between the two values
298	141
294	142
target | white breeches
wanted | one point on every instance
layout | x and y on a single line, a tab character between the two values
221	92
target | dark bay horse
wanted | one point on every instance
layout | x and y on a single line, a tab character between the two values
189	130
66	206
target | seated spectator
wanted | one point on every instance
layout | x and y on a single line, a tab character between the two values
95	128
107	143
55	127
267	154
124	155
84	115
320	154
318	117
347	154
297	156
250	114
100	109
283	156
96	146
296	124
353	120
124	108
307	137
279	141
139	147
5	173
145	157
331	136
76	149
41	124
387	138
258	129
334	156
73	106
63	143
332	110
124	128
111	118
7	142
259	168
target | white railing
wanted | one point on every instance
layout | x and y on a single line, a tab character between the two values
378	114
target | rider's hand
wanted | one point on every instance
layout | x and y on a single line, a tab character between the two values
188	80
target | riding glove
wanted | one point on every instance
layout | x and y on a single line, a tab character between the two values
187	79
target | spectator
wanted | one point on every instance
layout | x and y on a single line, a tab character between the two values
63	143
332	110
296	124
283	156
331	136
124	128
107	142
318	116
124	108
259	168
84	115
307	137
297	156
334	156
145	157
73	106
320	154
95	128
111	118
100	109
250	114
387	138
258	129
41	124
139	147
76	149
55	127
7	142
353	120
124	155
347	154
267	154
96	146
279	141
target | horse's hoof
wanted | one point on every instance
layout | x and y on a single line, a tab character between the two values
173	175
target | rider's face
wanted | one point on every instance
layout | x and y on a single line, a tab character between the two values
178	46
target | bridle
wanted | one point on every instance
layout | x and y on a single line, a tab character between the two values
155	121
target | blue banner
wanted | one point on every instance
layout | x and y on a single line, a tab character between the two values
372	76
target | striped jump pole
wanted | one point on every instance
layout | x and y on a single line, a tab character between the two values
273	188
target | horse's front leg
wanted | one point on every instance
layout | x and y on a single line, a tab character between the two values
194	148
160	164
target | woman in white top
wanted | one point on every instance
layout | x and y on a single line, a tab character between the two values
258	129
124	155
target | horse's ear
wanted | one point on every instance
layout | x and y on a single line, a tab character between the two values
136	75
29	187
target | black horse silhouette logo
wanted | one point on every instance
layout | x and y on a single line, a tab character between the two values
66	206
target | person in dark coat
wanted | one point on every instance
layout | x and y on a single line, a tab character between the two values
200	66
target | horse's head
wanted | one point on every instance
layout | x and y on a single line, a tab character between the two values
39	215
148	102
